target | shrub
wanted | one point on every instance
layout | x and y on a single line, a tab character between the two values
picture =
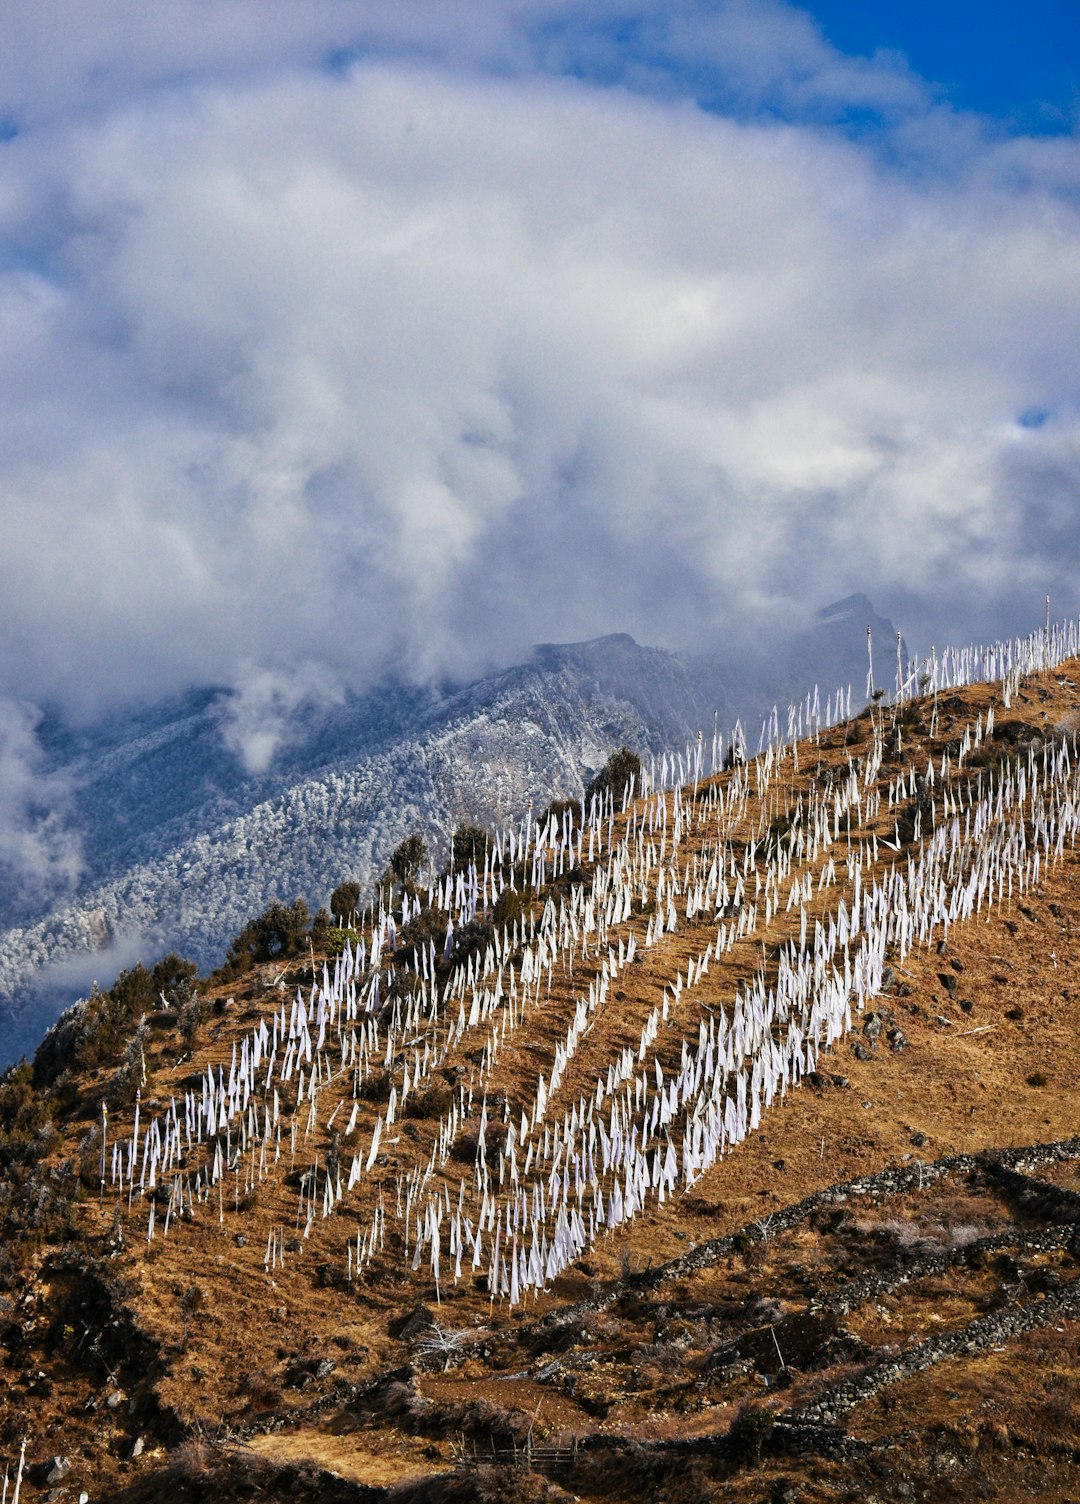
407	858
614	776
750	1431
173	978
133	1074
24	1113
344	899
512	905
427	927
334	941
193	1015
469	845
275	935
559	808
95	1030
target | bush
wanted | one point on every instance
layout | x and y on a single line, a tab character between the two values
512	904
559	808
173	978
469	845
407	858
344	899
192	1016
95	1030
275	935
133	1074
333	942
427	927
614	776
25	1113
749	1433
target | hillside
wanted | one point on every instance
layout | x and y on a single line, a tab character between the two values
717	1142
182	845
181	841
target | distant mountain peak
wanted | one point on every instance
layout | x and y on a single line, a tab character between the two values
857	605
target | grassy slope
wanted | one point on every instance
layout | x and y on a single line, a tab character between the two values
637	1401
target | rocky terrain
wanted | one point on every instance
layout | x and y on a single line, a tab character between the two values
718	1140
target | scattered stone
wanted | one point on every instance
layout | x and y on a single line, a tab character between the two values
966	1005
138	1447
872	1027
414	1324
948	981
956	965
292	1245
58	1470
240	1240
918	1139
897	1040
116	1399
860	1051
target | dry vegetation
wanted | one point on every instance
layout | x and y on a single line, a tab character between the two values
875	1295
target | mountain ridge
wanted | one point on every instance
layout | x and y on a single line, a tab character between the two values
182	845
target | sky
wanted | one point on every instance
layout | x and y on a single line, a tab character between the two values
341	338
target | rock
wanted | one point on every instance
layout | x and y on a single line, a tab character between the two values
138	1446
897	1040
57	1470
918	1139
415	1323
860	1051
966	1005
872	1027
115	1399
948	981
292	1245
323	1367
240	1240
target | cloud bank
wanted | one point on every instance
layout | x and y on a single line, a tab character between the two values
334	342
38	851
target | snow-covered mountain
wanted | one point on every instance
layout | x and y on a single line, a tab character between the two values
182	845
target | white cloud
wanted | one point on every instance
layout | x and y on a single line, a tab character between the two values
38	852
259	716
416	366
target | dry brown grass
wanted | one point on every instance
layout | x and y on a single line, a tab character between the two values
226	1364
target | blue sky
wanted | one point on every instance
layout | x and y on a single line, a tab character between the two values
344	335
1018	63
